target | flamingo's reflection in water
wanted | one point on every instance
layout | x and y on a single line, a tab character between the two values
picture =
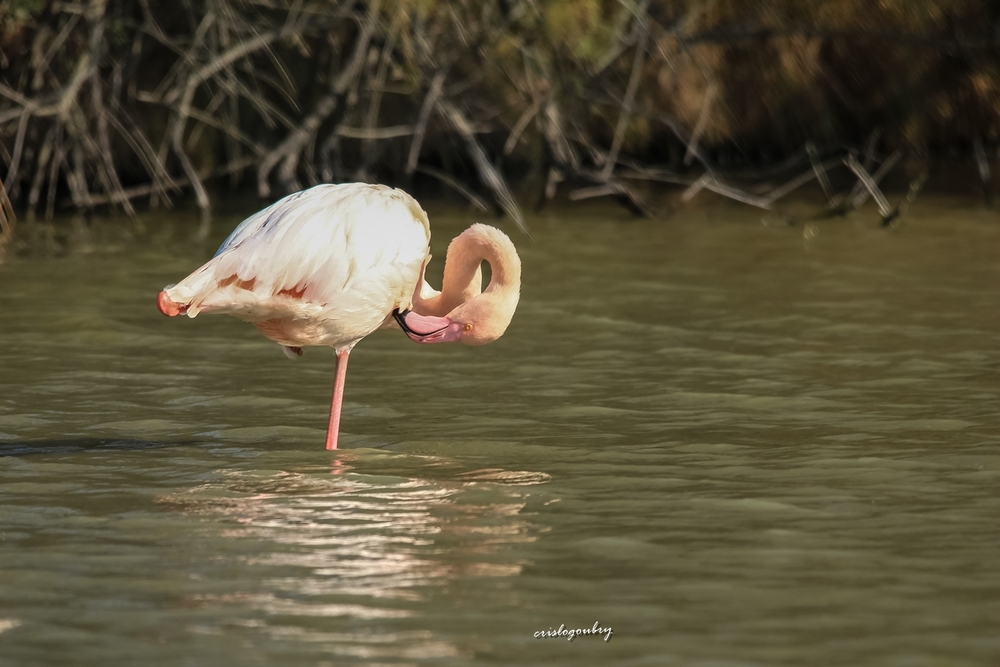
353	547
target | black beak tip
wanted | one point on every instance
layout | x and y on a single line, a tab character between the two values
400	317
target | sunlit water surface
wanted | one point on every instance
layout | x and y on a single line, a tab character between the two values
732	443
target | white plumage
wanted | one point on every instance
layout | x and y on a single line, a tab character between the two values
325	266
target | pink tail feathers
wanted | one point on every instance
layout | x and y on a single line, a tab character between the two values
169	307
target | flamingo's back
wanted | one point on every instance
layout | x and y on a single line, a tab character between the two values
325	266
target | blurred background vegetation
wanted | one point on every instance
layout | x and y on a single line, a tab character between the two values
136	103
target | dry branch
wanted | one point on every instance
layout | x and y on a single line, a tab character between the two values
618	191
915	186
877	177
522	123
452	183
7	221
428	105
489	175
699	128
983	165
819	170
869	183
629	100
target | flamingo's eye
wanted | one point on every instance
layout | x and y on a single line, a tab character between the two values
468	327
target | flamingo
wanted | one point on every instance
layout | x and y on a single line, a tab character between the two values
329	265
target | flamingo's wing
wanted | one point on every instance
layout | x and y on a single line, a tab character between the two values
348	252
260	221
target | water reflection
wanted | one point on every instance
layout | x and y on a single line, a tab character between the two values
368	548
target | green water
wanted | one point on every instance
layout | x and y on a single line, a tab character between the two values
732	443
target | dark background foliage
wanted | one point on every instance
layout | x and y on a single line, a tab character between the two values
137	102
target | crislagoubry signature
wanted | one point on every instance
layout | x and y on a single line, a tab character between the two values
570	635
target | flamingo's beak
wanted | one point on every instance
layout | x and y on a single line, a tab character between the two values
428	329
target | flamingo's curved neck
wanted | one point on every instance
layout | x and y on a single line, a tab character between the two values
463	275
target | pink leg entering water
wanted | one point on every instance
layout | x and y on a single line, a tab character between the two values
338	398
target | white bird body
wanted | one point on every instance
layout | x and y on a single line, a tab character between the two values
329	265
325	266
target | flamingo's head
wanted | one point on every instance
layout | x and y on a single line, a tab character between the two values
479	318
478	321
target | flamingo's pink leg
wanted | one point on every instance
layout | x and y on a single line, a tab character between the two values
338	398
